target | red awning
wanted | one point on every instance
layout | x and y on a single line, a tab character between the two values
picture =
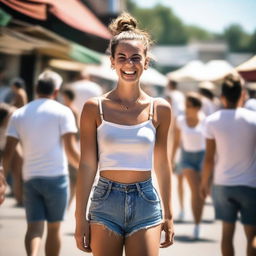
72	12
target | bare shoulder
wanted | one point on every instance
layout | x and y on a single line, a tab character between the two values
90	108
163	108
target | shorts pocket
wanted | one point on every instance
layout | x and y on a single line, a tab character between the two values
150	195
101	193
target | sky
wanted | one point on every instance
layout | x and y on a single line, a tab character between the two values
212	15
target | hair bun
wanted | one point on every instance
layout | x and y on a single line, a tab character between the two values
125	22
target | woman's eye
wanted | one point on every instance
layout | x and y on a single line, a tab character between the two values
136	59
122	59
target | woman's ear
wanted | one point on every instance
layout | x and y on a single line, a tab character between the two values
147	61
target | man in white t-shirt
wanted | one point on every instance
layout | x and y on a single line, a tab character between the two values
46	130
231	160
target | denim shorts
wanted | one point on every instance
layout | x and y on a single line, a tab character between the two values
46	198
231	200
190	160
125	208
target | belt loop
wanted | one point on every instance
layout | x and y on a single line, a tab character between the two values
138	187
109	185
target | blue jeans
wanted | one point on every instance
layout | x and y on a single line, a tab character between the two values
125	208
46	198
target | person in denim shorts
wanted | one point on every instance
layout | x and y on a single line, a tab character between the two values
231	136
46	130
120	133
189	136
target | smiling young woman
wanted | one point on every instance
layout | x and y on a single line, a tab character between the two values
123	133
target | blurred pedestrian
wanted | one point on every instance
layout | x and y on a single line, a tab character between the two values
231	161
177	100
189	131
177	97
68	100
15	177
175	156
120	133
19	94
45	128
84	89
19	99
210	103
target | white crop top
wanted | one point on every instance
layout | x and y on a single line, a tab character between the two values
192	138
126	147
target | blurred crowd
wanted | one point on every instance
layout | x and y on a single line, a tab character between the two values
213	127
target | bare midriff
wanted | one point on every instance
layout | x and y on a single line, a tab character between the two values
124	176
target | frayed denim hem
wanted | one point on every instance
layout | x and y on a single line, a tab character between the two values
144	228
111	231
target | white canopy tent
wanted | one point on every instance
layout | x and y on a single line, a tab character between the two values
248	69
196	71
249	65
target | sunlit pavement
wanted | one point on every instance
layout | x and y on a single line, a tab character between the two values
13	225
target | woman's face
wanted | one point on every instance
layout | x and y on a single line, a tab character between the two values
190	108
129	60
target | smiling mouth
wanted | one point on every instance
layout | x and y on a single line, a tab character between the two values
129	72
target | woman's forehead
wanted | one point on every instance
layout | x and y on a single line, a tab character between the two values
130	46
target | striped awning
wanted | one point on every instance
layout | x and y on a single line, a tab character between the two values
72	12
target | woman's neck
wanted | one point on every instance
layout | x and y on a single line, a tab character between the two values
128	93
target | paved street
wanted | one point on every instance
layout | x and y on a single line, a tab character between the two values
12	229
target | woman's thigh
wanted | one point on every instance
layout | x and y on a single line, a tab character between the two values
105	242
144	242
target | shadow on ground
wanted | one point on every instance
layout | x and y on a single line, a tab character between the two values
191	222
188	239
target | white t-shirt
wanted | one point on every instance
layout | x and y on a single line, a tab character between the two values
84	89
250	104
234	132
208	107
39	126
192	138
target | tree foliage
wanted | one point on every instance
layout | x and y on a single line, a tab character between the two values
168	29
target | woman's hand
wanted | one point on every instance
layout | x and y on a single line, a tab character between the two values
167	227
82	235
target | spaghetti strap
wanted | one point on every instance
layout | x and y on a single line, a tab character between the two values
100	108
151	110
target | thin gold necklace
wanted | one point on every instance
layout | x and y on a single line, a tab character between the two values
125	107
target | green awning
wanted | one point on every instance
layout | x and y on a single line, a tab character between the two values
82	54
4	18
25	38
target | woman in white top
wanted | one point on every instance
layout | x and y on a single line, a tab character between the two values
120	133
189	133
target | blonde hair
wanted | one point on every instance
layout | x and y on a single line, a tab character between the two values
124	27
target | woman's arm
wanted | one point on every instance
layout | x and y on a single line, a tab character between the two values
176	142
86	172
163	167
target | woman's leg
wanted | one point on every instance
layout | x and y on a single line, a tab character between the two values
197	202
105	242
180	188
144	242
